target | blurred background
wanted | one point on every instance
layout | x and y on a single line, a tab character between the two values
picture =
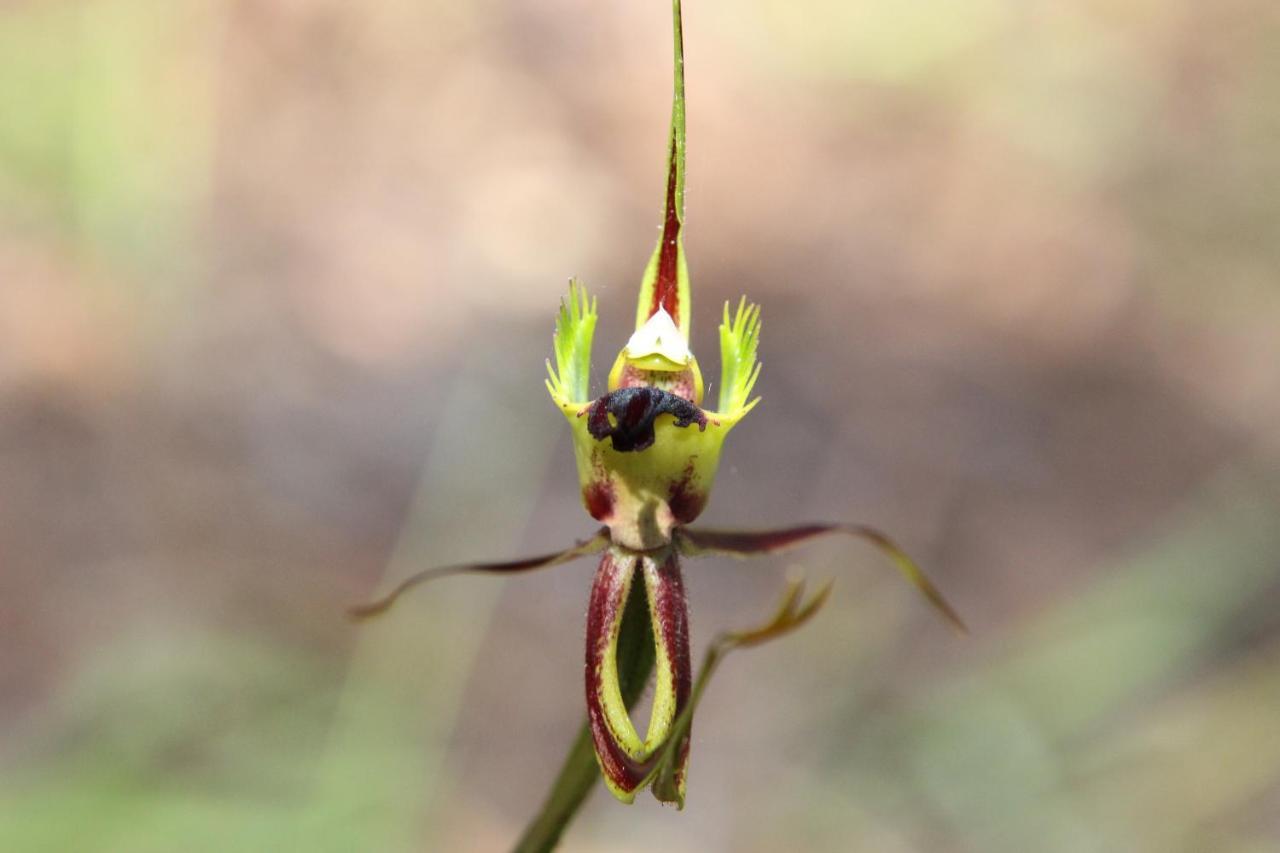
277	280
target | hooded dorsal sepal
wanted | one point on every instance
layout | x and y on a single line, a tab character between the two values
665	285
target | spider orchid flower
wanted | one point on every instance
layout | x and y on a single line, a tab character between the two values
647	453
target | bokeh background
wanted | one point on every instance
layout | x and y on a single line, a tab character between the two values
277	280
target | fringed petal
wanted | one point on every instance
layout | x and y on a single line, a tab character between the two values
739	370
575	328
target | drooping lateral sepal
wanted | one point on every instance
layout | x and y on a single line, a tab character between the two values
379	606
751	543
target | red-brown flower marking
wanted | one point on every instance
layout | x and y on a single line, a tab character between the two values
604	619
598	497
666	294
624	758
671	637
685	498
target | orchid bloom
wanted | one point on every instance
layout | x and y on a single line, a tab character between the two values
647	454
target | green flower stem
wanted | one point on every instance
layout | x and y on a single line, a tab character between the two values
580	774
577	779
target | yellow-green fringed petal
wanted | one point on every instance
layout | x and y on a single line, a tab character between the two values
569	380
739	340
669	616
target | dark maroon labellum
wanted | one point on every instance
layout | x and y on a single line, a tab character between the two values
634	410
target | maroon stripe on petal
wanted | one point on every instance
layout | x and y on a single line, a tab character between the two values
685	498
598	495
604	617
671	632
666	294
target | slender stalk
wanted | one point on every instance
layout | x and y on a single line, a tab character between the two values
580	774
